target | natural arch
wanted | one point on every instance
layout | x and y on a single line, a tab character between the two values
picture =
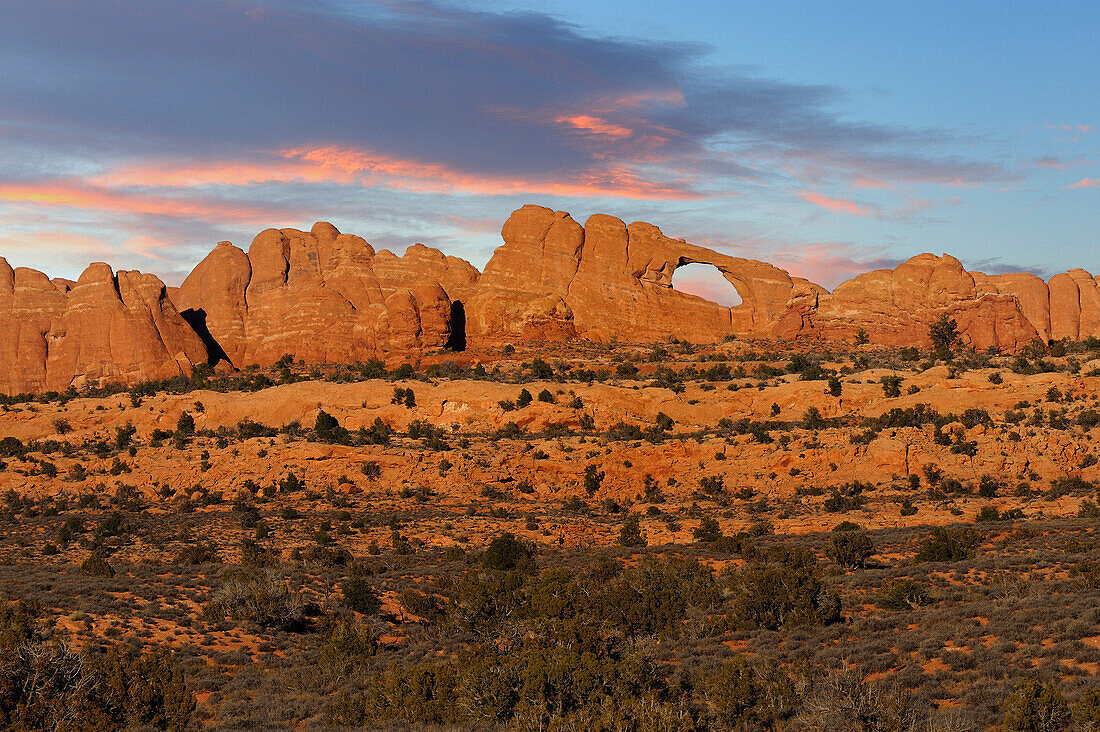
456	341
705	281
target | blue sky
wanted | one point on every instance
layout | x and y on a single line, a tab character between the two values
828	138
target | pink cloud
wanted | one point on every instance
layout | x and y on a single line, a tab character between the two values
355	166
839	205
864	182
595	125
79	195
1086	183
1087	129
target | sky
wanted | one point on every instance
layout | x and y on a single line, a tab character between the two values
828	138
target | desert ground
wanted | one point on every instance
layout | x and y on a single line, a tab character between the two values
744	535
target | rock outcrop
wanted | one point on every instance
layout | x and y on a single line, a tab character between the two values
103	328
896	307
322	296
609	281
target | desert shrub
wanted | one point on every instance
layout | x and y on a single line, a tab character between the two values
813	420
1032	707
593	479
738	695
506	553
630	533
1086	712
1069	485
46	685
846	701
891	385
359	595
902	594
185	425
948	545
255	597
291	484
200	553
781	588
850	548
349	645
1086	575
327	429
708	530
97	566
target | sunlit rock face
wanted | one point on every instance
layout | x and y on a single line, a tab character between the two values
103	328
323	296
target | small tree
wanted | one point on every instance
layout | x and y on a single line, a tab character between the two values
593	479
506	552
1032	707
360	596
835	387
813	419
891	385
708	530
524	398
185	425
328	429
850	549
943	334
630	534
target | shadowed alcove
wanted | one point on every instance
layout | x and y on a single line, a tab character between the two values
456	341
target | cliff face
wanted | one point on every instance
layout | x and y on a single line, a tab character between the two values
103	327
323	296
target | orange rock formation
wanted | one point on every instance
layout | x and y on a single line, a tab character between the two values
323	296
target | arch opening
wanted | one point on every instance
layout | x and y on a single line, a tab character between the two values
707	282
456	341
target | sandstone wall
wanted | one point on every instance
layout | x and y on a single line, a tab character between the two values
324	296
104	328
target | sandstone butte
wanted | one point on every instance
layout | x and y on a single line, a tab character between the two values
328	297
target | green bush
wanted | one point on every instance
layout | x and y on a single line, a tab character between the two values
1032	707
349	645
902	594
849	548
782	588
948	545
506	553
97	566
630	533
360	596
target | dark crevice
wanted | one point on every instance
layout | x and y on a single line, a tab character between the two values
456	341
196	318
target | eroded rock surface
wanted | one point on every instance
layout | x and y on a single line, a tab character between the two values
323	296
103	328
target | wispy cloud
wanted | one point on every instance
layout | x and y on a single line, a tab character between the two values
838	205
1086	183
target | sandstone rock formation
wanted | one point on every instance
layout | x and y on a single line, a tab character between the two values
609	281
323	296
320	296
105	327
896	307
